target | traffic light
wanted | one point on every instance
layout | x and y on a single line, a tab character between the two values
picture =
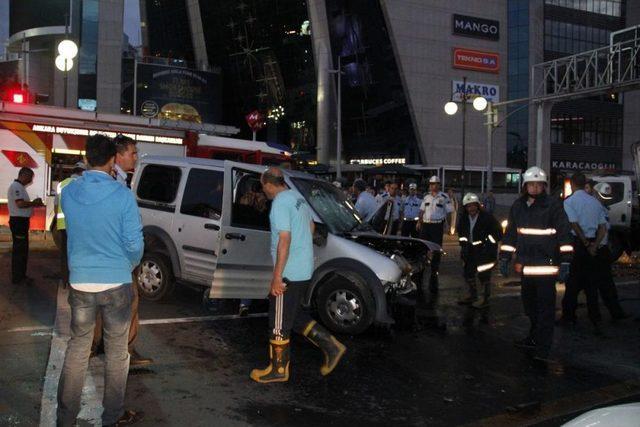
18	97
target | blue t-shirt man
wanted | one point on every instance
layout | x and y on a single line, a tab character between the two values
290	212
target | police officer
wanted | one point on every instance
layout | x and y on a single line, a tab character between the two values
20	211
395	199
411	212
478	234
365	203
606	285
61	225
538	233
433	212
589	228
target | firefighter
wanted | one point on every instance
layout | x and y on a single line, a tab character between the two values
411	212
538	233
433	213
292	252
61	225
478	234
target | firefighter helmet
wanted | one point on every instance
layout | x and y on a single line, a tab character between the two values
603	189
534	174
470	198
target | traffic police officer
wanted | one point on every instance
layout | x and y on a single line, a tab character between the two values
433	212
478	234
538	233
61	225
606	285
411	212
589	224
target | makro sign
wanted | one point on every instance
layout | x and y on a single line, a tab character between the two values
467	59
476	27
571	165
489	92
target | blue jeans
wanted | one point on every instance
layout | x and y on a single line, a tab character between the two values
115	308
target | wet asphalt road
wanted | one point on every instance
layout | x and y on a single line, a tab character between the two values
451	366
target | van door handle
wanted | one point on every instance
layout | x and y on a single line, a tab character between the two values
212	227
235	236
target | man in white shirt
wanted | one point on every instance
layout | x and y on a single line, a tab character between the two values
20	211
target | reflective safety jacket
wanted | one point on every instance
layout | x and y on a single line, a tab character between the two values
60	222
539	235
481	246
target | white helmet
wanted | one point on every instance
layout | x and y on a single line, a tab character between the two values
434	180
80	165
603	189
470	198
413	186
534	174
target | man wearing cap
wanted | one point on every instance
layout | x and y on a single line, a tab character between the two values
61	225
478	234
366	204
433	212
411	211
589	228
538	234
607	287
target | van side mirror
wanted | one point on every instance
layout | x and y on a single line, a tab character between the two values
320	234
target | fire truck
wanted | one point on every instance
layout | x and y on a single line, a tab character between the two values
50	140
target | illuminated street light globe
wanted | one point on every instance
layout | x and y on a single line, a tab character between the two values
60	63
480	103
67	49
451	108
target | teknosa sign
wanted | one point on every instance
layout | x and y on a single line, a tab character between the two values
476	60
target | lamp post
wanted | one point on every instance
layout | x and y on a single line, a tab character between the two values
67	50
339	130
451	108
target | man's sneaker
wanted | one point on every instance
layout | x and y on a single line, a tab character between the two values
129	417
136	360
244	311
527	343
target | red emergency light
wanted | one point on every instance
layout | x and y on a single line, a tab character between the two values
17	97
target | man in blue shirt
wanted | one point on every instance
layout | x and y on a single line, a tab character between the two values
366	204
292	251
104	244
589	224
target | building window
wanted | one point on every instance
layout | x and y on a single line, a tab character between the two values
601	7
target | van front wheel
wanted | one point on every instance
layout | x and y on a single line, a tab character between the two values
155	278
345	305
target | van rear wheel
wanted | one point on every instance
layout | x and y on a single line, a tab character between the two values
155	277
345	305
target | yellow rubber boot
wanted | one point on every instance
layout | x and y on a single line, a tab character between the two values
278	369
332	349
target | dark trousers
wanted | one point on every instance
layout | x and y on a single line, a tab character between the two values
20	249
64	262
606	285
409	229
286	312
585	276
471	272
433	232
539	301
395	227
115	307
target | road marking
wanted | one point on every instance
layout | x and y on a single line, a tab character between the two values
199	319
580	402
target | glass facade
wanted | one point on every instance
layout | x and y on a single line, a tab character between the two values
170	35
265	54
602	7
577	26
375	116
50	13
518	82
87	55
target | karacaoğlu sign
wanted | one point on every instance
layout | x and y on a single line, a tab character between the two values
490	92
570	165
471	26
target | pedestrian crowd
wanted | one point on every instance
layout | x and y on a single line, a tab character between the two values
546	240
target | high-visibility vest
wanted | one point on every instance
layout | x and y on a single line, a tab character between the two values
60	222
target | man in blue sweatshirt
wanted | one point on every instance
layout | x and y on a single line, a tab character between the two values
104	244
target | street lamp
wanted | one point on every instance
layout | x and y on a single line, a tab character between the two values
451	108
67	50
